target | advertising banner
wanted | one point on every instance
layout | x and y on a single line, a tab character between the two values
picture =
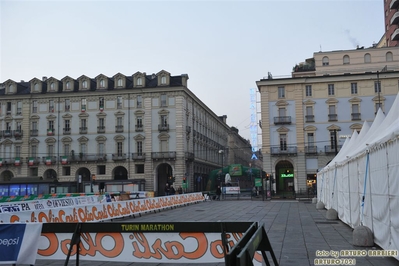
65	210
18	243
144	247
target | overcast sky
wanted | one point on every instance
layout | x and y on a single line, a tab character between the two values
223	46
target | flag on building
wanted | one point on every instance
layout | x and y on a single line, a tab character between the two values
1	162
17	161
30	162
48	160
64	160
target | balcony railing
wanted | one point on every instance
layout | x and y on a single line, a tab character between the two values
138	156
163	127
67	131
332	117
331	148
311	149
49	160
281	120
32	161
83	158
83	130
119	156
119	128
139	128
101	129
283	150
18	133
171	155
356	116
8	161
309	118
189	156
34	132
7	133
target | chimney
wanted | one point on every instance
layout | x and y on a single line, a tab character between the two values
44	78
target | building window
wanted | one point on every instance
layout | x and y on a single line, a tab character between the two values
102	83
378	105
9	106
139	81
139	168
389	57
34	106
163	100
331	90
164	120
101	122
67	149
84	84
282	112
367	58
139	101
119	102
163	80
119	121
19	108
281	92
139	148
83	148
346	60
355	112
325	61
283	142
83	104
83	124
101	149
51	125
120	83
310	137
34	131
68	85
377	86
354	88
33	151
51	106
67	126
52	86
308	90
101	103
119	148
50	150
333	139
67	104
36	87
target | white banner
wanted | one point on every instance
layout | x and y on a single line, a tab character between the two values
18	243
98	211
172	247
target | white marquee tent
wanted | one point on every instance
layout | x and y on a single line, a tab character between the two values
362	182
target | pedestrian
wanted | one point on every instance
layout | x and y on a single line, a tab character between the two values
218	192
180	190
172	190
167	189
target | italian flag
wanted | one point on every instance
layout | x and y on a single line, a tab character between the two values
64	160
1	162
30	162
17	161
48	160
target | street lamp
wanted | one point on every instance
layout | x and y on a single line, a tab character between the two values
222	153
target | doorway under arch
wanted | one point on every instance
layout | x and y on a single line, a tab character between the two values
120	173
6	175
86	177
164	172
284	177
50	174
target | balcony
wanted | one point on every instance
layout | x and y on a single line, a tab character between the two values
309	118
332	117
284	151
282	120
171	155
394	4
50	132
331	149
139	128
34	132
32	161
311	150
119	156
101	129
83	130
67	131
81	157
18	133
189	156
395	18
163	127
356	116
119	128
7	161
7	133
49	160
138	156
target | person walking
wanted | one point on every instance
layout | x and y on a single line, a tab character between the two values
167	189
218	193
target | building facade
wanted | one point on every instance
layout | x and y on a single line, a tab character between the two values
391	22
123	133
306	118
